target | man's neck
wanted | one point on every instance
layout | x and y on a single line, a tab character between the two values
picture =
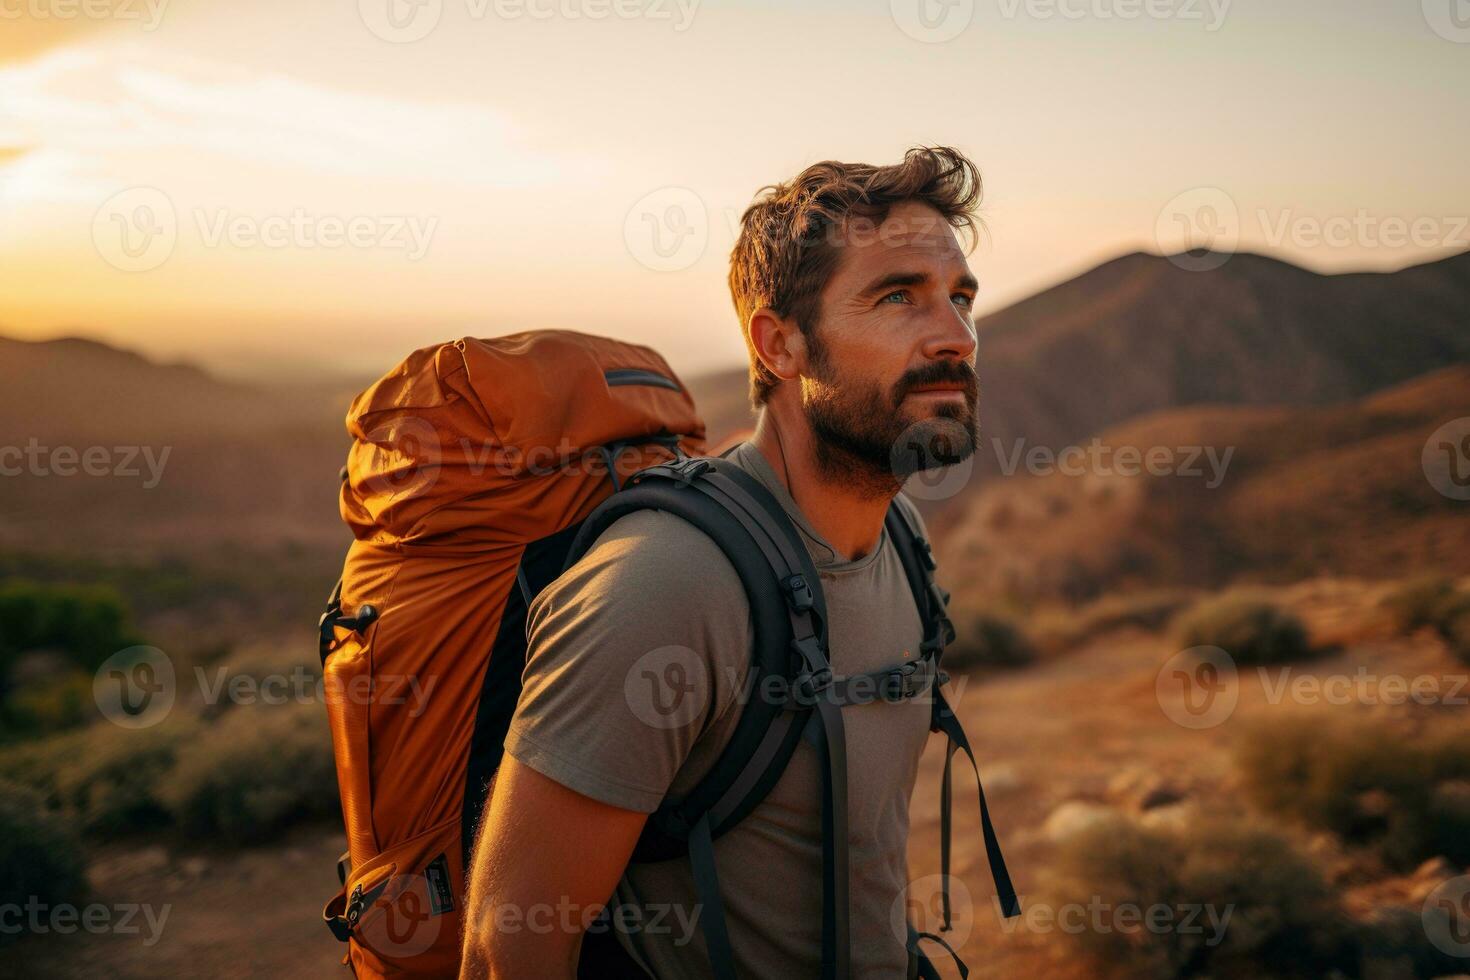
849	520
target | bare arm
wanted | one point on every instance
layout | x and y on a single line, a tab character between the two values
547	860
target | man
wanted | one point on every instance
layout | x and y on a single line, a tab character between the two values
855	298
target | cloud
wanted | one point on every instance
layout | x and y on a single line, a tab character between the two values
99	112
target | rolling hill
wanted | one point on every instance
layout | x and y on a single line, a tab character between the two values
1321	490
255	466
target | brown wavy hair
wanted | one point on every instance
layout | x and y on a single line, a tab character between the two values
791	237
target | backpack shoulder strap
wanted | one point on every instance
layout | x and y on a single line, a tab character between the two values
789	655
919	564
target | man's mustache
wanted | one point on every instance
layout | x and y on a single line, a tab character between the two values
956	372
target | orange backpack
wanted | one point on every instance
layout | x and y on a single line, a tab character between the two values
479	471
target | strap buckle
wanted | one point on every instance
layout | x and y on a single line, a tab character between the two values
809	685
904	682
798	593
687	470
358	622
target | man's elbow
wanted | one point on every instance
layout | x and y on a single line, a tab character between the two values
495	953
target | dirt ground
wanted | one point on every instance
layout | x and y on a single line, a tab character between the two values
1066	729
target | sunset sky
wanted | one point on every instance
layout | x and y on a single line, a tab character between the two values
287	186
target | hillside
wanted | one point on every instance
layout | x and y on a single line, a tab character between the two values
1304	490
1139	334
1136	335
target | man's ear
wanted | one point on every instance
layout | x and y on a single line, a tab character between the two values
779	343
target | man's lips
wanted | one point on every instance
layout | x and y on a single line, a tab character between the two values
939	388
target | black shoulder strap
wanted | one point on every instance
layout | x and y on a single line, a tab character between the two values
789	614
919	564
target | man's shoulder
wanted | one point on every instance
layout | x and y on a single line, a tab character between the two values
653	562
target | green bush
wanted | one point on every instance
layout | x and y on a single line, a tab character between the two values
48	705
40	858
87	623
1252	630
987	640
1284	920
1406	795
254	771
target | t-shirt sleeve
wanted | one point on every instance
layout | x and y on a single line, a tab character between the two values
632	656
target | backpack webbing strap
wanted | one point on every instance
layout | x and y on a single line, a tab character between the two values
707	888
742	496
918	562
1004	890
919	966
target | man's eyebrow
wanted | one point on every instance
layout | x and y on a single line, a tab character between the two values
895	280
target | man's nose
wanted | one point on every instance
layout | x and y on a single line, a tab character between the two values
951	334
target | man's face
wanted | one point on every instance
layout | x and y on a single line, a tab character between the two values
892	387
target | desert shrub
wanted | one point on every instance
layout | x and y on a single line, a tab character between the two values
47	705
1396	943
1435	602
1454	626
1145	610
254	771
40	858
1152	610
987	640
1283	918
88	623
1418	603
1406	795
1249	628
103	779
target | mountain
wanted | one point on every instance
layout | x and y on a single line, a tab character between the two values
1282	492
1133	336
121	453
1141	333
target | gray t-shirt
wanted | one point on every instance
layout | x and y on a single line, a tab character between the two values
635	658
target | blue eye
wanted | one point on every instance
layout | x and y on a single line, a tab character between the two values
902	296
963	300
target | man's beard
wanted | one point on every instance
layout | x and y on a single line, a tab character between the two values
865	440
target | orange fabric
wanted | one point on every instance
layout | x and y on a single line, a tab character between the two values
462	455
